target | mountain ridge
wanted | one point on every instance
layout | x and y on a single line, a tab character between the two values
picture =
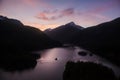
16	36
64	32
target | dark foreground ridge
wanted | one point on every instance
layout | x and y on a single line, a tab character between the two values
17	42
87	71
18	62
14	36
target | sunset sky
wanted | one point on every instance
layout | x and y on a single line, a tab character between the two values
52	13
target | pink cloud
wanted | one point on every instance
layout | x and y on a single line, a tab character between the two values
42	16
46	15
56	14
67	12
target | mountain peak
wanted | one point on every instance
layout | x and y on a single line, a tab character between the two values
71	24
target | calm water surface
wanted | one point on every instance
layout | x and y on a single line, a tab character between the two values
48	68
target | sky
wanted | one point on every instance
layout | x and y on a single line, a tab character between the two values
45	14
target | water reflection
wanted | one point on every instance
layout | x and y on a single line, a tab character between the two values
62	54
47	68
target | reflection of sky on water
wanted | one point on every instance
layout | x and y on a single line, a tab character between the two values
48	68
59	53
66	54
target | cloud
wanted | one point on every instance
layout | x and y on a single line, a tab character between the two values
56	14
47	15
43	16
68	12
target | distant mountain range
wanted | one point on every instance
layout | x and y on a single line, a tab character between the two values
14	36
64	33
102	39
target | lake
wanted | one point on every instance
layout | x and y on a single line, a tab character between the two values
52	64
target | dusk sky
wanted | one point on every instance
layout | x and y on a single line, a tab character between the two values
52	13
